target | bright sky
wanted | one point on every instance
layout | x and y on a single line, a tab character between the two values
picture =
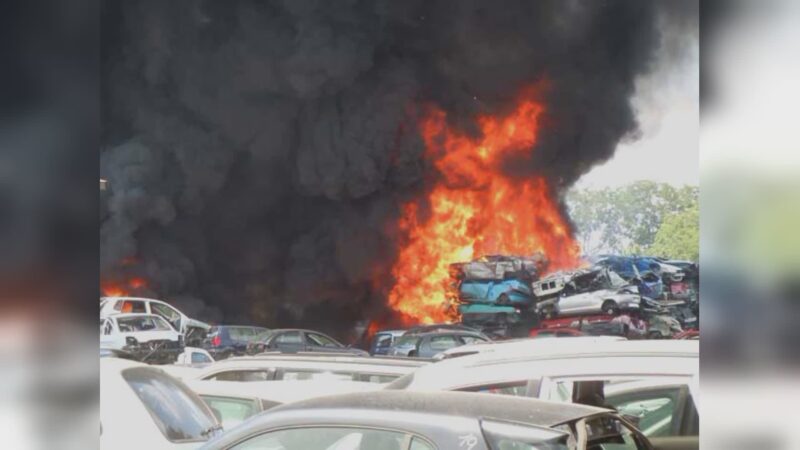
667	105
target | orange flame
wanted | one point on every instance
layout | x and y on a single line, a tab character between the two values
476	210
121	289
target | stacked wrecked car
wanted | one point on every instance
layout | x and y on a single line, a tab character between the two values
635	297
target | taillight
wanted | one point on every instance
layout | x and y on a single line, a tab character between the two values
216	341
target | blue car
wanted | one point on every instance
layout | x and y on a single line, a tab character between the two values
500	292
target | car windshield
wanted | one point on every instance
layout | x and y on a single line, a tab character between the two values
177	411
142	323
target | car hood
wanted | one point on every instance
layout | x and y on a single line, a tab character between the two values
147	336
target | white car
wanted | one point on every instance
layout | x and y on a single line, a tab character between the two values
192	330
143	407
232	401
148	337
572	370
269	367
523	344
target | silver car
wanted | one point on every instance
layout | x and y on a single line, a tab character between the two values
604	301
401	420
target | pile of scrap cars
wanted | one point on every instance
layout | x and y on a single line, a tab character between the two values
632	296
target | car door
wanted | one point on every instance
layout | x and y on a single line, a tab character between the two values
169	314
107	335
572	304
288	342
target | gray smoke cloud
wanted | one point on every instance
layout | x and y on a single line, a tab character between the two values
257	152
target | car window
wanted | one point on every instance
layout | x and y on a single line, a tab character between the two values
384	341
403	341
517	388
141	323
131	306
241	333
444	342
178	413
167	312
653	408
231	411
609	433
241	375
321	340
472	339
515	436
292	337
199	358
107	328
326	438
420	444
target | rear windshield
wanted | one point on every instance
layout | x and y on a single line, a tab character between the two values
142	323
177	411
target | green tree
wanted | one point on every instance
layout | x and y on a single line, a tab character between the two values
679	235
625	220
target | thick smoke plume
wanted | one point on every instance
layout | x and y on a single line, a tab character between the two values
257	151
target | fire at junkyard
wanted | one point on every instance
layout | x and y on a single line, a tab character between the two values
309	206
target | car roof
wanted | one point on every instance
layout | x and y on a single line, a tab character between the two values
452	332
460	404
282	391
337	358
133	298
558	358
525	345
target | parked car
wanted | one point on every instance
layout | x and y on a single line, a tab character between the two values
193	331
431	328
146	337
429	421
296	340
143	407
564	370
501	292
383	340
524	344
280	366
603	301
426	345
224	341
232	402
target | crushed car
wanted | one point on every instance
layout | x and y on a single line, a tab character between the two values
145	337
193	331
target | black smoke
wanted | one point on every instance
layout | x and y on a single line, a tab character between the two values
257	152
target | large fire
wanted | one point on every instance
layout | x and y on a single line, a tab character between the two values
122	288
476	210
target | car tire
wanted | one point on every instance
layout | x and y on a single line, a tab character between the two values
412	354
610	307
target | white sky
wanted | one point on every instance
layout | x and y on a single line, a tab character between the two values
667	105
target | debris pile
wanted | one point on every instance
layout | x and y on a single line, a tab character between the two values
636	297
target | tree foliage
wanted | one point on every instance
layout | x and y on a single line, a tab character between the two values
679	235
625	220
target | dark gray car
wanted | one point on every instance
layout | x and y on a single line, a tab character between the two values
427	345
399	420
290	340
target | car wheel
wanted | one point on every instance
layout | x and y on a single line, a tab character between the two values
503	300
610	307
412	354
